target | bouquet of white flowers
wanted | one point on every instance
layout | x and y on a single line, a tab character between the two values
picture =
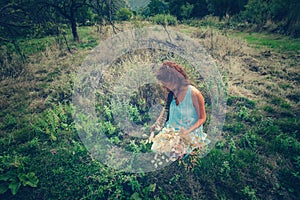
169	142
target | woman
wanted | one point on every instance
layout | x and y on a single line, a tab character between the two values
185	105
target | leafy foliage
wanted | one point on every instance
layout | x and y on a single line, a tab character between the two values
222	8
155	7
124	14
164	20
15	175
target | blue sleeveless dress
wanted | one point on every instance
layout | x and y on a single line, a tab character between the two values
184	115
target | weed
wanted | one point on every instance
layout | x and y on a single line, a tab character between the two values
10	122
13	181
269	109
55	121
280	102
288	181
289	125
134	114
249	140
14	175
115	140
235	128
164	20
244	113
108	128
249	192
286	144
225	169
240	101
232	147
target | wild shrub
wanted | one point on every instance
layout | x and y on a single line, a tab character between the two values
164	20
55	122
14	173
124	14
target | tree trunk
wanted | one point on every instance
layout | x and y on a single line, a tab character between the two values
73	21
74	30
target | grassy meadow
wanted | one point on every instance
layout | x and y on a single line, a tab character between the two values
257	157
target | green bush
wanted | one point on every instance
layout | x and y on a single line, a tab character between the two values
257	12
124	14
15	173
13	181
164	20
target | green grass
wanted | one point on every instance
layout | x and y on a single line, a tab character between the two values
35	45
275	42
32	46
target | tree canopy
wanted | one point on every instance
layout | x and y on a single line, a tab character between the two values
27	18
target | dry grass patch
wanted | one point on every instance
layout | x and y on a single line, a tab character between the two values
251	72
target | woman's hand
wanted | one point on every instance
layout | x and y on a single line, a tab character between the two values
152	128
185	135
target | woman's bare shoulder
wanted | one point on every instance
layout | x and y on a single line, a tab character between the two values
195	91
196	95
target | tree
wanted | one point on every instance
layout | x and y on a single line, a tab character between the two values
186	10
288	12
257	12
199	8
293	18
14	20
175	7
106	10
222	8
124	14
84	15
156	7
68	9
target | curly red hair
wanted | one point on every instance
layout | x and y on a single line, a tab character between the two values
171	71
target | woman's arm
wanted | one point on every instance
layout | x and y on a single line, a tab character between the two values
158	120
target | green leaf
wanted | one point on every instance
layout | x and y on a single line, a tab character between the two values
135	196
4	177
53	137
64	125
3	187
29	179
8	176
150	188
14	186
